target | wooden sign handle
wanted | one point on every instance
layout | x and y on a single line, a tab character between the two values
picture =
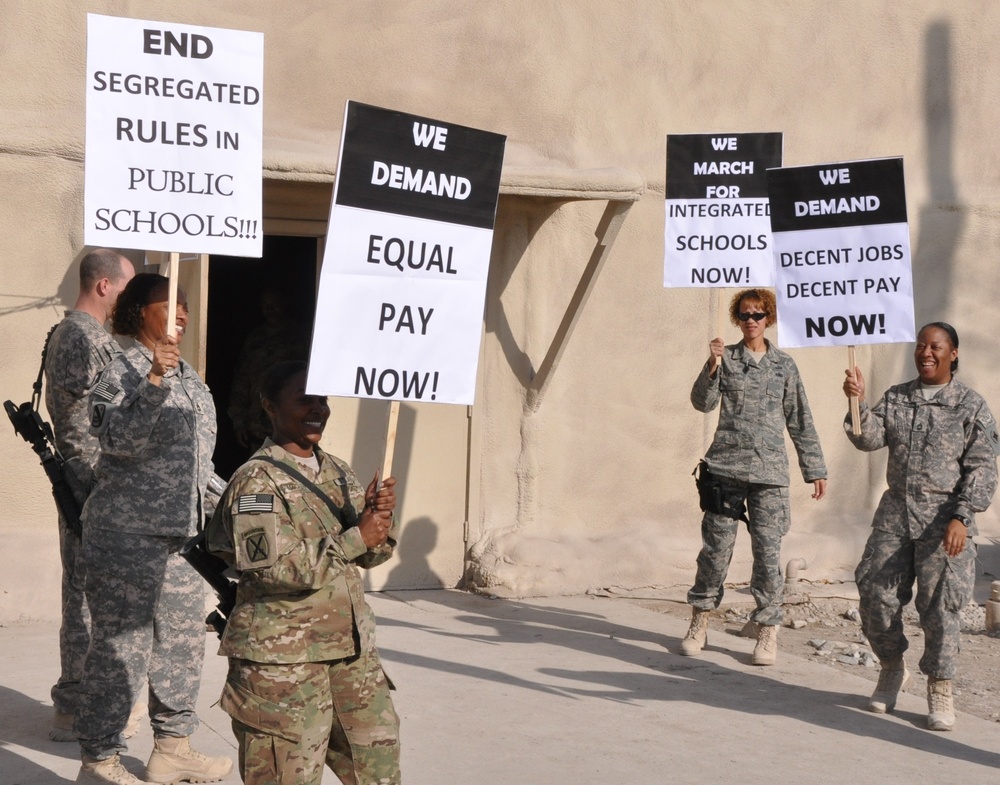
720	318
172	274
855	402
392	417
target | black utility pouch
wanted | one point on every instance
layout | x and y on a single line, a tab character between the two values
715	496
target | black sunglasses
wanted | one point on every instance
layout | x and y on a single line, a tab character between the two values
745	317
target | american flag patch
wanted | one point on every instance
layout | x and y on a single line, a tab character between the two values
105	391
255	502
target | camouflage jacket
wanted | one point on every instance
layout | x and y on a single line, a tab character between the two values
942	456
78	350
156	449
300	596
759	400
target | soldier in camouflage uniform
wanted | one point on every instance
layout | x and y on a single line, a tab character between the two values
77	352
305	680
155	420
761	395
942	469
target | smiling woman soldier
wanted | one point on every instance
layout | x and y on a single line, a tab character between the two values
942	469
305	681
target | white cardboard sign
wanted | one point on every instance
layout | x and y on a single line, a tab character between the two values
174	137
403	286
718	230
842	254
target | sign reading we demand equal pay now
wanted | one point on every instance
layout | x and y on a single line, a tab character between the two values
401	295
718	231
174	137
842	254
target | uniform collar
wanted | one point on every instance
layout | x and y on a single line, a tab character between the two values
951	395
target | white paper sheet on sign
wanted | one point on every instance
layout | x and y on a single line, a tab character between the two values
174	137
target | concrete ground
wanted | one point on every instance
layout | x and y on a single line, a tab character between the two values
567	690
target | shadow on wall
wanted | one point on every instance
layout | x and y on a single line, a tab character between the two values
412	566
941	220
418	537
518	221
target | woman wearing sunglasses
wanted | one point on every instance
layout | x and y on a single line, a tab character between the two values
761	395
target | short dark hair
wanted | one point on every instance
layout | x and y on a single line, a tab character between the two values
274	379
99	264
952	336
127	316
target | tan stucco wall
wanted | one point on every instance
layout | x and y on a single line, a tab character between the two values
589	485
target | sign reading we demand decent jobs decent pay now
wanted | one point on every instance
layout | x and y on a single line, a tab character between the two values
401	295
718	231
842	254
174	137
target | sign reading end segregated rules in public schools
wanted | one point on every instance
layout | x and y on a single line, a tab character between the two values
717	230
842	253
400	307
175	130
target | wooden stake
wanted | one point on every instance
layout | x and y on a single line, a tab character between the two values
855	401
720	318
172	273
392	417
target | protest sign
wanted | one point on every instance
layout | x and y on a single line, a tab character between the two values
174	137
842	253
401	295
718	231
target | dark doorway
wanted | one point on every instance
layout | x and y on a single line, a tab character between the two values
260	311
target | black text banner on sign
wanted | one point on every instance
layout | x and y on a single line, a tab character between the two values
174	137
400	305
717	230
842	253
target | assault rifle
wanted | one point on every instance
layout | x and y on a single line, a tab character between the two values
212	569
29	425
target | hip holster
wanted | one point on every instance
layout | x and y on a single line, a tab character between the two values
714	495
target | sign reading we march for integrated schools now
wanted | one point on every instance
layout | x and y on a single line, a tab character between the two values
401	295
174	137
842	253
717	230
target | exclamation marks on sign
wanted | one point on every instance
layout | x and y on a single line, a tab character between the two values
881	322
434	387
248	229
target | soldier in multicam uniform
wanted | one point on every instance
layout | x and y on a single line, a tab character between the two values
155	420
77	352
305	680
942	469
761	395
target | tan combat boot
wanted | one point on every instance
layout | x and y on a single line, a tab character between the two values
109	770
892	680
766	650
940	706
173	760
697	634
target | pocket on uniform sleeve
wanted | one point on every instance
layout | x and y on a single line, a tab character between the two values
263	715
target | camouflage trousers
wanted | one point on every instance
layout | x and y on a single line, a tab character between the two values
74	631
885	576
290	718
147	608
767	509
